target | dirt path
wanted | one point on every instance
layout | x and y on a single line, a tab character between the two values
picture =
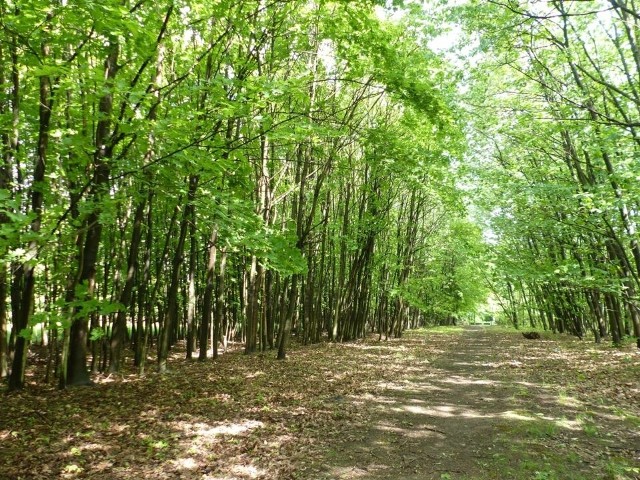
485	407
455	404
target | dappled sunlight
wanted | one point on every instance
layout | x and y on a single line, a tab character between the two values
409	431
376	348
218	447
197	438
410	386
467	364
567	424
188	463
526	384
393	348
349	472
116	378
89	447
368	365
369	412
569	401
417	364
527	416
436	406
384	400
456	380
207	431
247	471
174	356
510	415
443	411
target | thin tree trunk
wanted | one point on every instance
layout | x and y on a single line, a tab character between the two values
144	307
8	146
191	287
207	304
16	379
77	373
218	313
171	317
252	316
120	324
285	330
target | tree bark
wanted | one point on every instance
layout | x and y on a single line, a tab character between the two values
207	304
220	302
16	379
171	316
120	324
77	373
191	286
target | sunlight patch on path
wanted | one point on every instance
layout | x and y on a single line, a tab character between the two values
207	431
456	380
443	411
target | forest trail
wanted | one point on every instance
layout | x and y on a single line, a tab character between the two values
439	420
487	406
450	403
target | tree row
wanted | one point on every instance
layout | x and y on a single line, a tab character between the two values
207	173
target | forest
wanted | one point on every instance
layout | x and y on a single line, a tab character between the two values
182	179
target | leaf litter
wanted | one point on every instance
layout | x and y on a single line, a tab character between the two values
475	403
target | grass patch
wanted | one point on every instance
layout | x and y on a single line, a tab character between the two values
620	469
522	464
634	420
541	429
588	425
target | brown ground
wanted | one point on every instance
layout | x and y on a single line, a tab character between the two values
469	403
491	405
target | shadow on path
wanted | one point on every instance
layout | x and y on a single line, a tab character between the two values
472	412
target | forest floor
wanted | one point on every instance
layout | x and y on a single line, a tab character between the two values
456	403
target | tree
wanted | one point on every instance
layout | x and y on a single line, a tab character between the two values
560	201
224	171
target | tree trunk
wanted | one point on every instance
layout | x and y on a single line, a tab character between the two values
120	324
218	313
171	316
16	379
144	308
77	373
191	286
285	330
207	304
252	316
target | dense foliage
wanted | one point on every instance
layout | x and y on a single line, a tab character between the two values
245	171
555	137
222	171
